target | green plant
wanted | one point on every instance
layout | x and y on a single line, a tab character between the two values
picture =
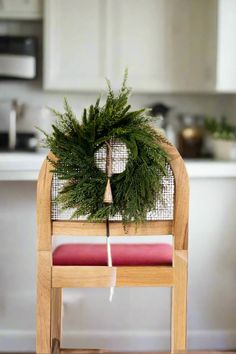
220	129
75	145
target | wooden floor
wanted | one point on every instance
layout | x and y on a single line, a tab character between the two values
86	351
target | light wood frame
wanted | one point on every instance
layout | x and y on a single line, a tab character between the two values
52	279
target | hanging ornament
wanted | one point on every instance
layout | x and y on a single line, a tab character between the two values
108	193
108	199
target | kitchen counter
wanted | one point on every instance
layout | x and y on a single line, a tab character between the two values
20	166
25	167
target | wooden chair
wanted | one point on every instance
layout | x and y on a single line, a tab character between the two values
52	279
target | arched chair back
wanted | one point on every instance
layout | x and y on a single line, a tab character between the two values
170	217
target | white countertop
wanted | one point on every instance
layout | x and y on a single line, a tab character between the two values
26	166
20	166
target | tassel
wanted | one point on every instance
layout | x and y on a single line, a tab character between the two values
108	199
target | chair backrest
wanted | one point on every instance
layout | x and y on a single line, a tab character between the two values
169	217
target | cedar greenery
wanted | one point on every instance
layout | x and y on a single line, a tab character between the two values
74	144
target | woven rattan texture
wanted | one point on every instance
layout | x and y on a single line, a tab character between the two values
164	207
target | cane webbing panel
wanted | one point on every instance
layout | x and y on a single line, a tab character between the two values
164	207
119	157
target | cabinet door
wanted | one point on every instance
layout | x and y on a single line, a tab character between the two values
167	45
75	48
226	58
21	9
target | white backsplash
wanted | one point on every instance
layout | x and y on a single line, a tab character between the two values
36	100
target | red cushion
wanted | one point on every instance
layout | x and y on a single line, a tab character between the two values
122	254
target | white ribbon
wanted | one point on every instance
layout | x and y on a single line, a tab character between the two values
109	259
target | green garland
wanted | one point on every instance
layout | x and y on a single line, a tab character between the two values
75	144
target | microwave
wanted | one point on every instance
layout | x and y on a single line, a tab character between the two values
18	57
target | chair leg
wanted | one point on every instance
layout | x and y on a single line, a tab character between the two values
56	318
43	335
179	303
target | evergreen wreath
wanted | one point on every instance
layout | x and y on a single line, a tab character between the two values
74	143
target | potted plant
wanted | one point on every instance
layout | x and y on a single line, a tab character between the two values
223	136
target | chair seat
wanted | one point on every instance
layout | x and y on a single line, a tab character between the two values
122	254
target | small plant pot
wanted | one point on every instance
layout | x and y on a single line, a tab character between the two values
224	149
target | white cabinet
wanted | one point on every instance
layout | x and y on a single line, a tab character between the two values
21	9
75	44
168	46
226	57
